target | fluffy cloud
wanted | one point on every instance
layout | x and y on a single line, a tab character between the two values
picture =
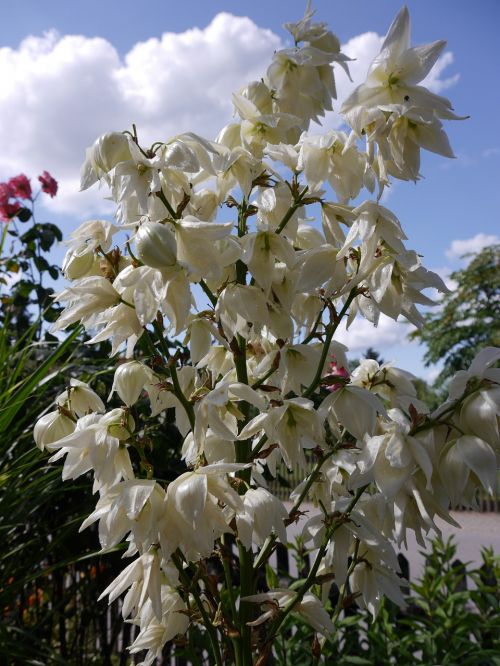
60	92
362	334
460	247
433	80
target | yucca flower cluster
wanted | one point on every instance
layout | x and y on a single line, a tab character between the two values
251	250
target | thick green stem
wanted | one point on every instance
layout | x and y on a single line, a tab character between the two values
229	582
211	297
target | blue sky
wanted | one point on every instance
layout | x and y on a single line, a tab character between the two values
59	93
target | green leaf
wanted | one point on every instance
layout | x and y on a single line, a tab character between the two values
14	404
271	577
23	214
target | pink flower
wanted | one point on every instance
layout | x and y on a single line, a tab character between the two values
9	210
49	184
5	193
333	372
20	186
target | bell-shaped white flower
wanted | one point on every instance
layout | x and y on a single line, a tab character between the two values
218	410
109	150
397	69
263	514
392	458
297	367
145	574
133	506
192	516
236	166
80	260
258	129
309	608
129	381
392	384
372	580
96	446
326	157
195	245
85	298
480	368
480	415
294	425
138	177
52	427
215	449
260	252
155	245
354	408
466	463
154	634
80	263
80	398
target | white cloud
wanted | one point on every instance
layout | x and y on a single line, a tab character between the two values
468	245
433	80
362	334
59	93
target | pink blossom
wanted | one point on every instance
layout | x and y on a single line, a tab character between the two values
20	186
335	371
9	210
49	184
5	193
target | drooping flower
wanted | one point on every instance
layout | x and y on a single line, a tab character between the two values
49	184
309	608
20	186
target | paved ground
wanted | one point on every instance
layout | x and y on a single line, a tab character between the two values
478	530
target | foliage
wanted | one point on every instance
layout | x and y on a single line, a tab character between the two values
467	318
452	617
25	260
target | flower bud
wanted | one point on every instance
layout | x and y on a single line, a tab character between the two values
81	399
109	150
155	245
119	422
130	379
78	263
52	427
